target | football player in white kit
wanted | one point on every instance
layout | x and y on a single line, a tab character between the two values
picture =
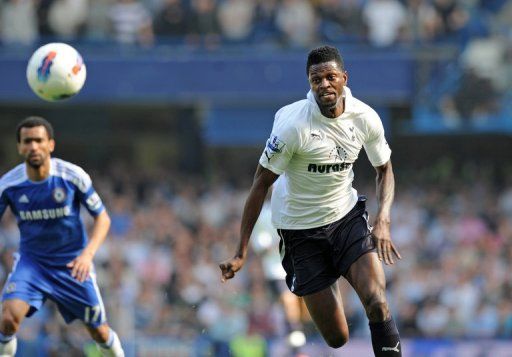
322	222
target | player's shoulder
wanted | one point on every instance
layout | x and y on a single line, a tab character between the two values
363	110
364	115
13	177
71	172
293	116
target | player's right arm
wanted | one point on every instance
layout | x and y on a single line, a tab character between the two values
263	180
3	200
278	152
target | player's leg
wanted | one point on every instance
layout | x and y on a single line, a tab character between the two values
310	274
83	301
13	313
291	305
23	294
326	310
366	276
107	340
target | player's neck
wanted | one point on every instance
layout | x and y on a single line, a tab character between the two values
334	111
40	173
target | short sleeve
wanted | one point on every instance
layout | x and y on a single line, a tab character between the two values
280	146
88	196
376	146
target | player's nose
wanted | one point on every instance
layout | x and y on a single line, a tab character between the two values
324	83
32	145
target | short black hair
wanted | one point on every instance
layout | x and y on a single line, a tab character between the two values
324	54
32	122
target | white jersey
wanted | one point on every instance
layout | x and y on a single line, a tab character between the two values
314	156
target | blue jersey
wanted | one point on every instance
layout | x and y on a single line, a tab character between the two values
48	211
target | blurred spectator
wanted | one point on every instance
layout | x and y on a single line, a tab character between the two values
297	21
171	20
18	22
265	27
453	16
385	20
486	56
98	23
423	22
235	19
341	20
475	97
43	6
67	18
203	24
131	23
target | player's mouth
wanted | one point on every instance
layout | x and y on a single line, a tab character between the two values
34	157
328	95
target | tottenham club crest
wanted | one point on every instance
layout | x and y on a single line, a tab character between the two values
338	154
59	195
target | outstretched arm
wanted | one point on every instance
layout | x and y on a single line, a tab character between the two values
263	179
381	229
81	265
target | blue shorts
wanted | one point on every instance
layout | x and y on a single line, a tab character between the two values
33	283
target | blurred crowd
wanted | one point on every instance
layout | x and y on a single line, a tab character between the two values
291	23
158	269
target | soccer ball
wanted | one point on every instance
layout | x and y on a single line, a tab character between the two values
56	71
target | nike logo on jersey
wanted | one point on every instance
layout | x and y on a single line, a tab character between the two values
23	199
394	349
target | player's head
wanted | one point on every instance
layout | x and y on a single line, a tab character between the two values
326	75
35	140
324	54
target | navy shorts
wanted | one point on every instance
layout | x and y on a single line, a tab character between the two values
33	283
315	258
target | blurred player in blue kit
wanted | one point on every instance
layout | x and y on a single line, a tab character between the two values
55	258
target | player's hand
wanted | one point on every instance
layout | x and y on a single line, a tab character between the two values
230	267
382	238
81	267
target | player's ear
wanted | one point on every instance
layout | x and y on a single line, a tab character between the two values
51	145
345	78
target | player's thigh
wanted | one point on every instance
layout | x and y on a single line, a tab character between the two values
326	309
76	300
25	286
366	275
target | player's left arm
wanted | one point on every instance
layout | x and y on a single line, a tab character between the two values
379	154
81	266
381	232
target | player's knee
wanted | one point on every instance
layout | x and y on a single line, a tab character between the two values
377	310
337	340
10	323
100	334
